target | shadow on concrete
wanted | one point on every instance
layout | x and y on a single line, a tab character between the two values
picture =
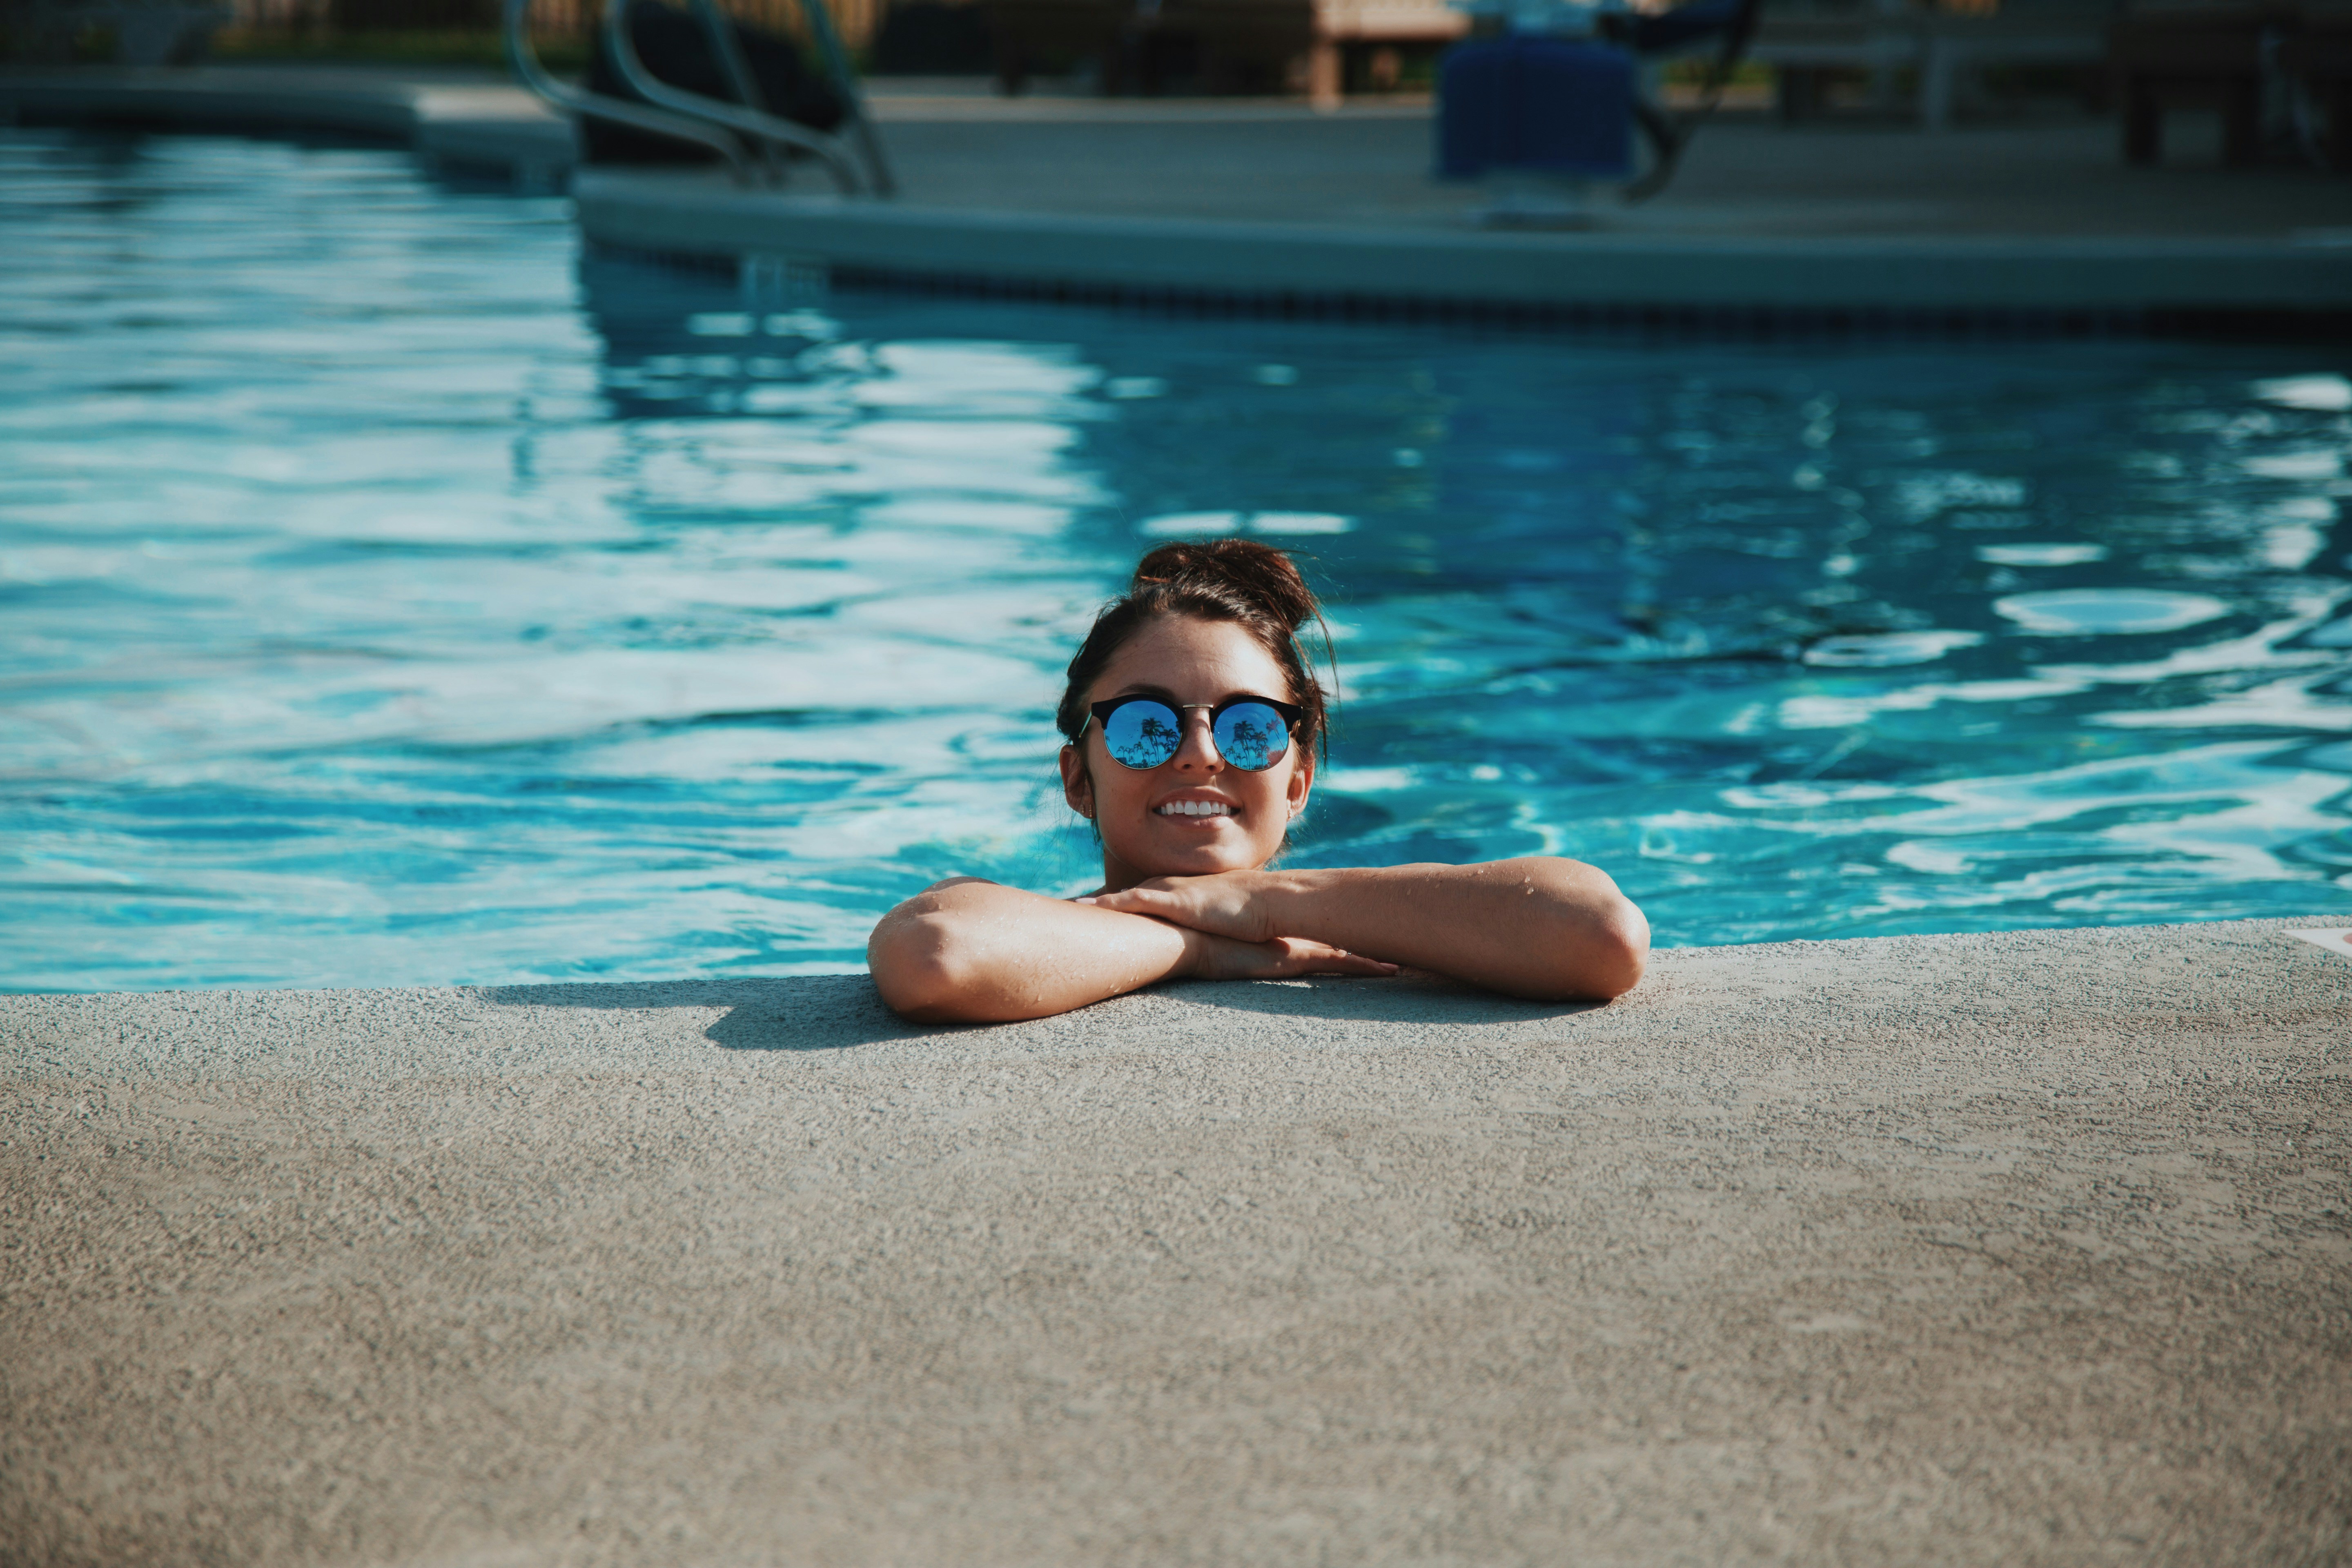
806	1013
841	1011
1411	999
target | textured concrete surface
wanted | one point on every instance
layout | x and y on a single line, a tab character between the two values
2028	1249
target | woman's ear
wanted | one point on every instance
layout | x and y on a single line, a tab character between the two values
1076	787
1302	780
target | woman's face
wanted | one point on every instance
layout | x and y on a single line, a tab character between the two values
1184	661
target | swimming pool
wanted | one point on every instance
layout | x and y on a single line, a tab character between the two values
394	595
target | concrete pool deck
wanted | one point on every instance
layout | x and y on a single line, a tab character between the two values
469	119
1271	204
2023	1248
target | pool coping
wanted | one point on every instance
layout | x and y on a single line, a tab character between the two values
460	122
1326	268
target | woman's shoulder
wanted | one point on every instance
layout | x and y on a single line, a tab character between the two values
946	882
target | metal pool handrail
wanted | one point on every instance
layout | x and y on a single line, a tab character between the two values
725	128
740	76
770	133
844	83
579	100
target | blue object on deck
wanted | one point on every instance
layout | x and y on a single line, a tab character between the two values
1553	106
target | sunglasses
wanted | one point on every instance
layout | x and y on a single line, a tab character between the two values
1252	733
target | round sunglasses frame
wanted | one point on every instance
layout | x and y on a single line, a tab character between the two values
1098	714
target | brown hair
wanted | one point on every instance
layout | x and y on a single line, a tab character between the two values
1255	586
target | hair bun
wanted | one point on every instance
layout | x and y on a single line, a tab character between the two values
1253	586
1257	574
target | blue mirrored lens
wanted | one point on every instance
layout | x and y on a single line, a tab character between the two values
1252	736
1142	734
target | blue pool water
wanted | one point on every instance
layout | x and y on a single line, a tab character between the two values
389	593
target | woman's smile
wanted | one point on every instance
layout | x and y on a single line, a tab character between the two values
1205	810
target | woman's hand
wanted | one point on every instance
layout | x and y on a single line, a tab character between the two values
1229	925
1212	957
968	951
1233	904
1536	926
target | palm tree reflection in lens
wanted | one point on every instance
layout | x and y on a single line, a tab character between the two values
1249	735
1155	739
1251	741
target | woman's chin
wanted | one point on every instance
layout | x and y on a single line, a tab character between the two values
1198	854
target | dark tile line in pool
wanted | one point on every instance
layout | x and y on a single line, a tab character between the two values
1749	320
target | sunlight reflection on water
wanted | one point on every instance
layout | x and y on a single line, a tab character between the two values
394	596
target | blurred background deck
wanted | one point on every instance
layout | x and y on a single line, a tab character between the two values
2039	170
1999	153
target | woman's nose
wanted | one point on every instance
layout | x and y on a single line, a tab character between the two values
1198	751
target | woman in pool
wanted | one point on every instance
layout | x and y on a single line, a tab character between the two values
1192	720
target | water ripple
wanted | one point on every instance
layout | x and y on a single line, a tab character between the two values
389	593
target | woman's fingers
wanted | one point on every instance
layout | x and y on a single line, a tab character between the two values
1161	903
1284	958
1221	903
1301	957
1349	964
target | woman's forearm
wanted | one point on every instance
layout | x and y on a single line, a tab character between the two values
1538	926
972	951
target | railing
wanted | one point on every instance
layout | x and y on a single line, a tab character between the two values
757	146
572	21
858	20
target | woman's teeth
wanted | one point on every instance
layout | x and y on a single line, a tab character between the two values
1196	808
